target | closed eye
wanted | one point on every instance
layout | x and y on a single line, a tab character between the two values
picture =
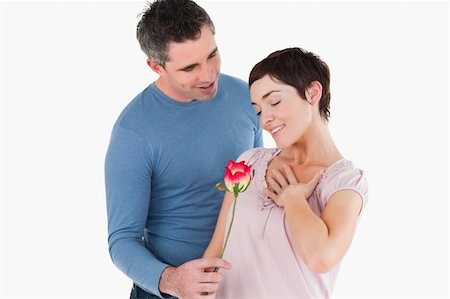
257	109
276	103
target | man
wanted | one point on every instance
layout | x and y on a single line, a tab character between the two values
168	149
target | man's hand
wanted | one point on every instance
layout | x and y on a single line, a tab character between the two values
192	279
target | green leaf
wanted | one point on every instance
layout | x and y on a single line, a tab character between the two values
221	187
236	188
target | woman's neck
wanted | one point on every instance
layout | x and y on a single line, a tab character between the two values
315	147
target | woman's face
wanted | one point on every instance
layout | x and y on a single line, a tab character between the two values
283	113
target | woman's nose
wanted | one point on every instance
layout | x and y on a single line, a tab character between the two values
265	119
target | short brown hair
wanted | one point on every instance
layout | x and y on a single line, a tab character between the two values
298	68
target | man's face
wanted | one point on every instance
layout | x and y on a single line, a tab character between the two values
193	68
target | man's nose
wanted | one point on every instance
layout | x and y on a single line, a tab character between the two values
206	73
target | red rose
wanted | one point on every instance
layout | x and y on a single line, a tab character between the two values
237	176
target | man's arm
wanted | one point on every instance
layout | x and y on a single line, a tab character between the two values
259	142
128	173
197	277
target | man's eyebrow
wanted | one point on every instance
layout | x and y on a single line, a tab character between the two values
188	67
213	52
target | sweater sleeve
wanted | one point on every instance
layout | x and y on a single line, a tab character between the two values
128	174
259	142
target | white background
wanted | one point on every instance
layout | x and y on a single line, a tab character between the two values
69	68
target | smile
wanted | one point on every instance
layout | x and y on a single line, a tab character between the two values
277	129
206	86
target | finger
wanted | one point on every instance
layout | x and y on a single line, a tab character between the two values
207	287
315	179
211	277
209	269
212	262
270	194
292	179
280	178
274	197
208	295
273	185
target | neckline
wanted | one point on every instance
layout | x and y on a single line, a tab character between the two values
267	202
326	172
168	100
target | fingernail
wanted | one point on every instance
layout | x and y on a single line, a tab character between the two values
228	264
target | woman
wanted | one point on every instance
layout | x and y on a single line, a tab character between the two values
296	220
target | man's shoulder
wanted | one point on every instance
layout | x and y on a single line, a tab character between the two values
135	111
233	88
232	81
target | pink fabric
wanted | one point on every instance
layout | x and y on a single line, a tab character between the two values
259	249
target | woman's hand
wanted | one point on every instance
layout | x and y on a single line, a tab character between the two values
281	187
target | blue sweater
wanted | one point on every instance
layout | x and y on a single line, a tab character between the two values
162	164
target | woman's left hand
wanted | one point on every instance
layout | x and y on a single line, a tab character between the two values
282	186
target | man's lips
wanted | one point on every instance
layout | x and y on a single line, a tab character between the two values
206	86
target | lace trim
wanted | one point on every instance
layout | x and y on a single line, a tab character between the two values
260	178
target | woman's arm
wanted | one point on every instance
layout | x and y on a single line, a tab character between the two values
322	241
215	245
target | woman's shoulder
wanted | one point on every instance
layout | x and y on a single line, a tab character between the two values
342	175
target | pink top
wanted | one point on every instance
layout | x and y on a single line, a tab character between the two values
264	263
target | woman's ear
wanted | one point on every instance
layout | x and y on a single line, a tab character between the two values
314	92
